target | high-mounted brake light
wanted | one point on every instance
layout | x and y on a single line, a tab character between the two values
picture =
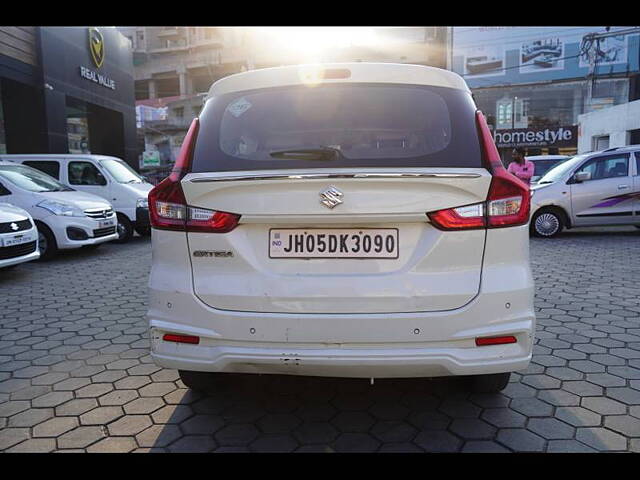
168	209
508	200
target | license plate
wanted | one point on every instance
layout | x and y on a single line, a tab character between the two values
17	240
333	243
106	223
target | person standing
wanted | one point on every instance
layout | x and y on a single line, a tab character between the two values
521	167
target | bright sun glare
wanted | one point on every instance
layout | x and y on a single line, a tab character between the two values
315	39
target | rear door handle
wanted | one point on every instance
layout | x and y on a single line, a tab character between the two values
623	187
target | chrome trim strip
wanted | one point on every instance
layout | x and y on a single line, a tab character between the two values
307	176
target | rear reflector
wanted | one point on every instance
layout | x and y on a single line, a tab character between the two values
168	337
480	342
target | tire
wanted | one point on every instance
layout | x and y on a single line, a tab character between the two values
46	242
143	231
198	381
124	229
492	383
547	223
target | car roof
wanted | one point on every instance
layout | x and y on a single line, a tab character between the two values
547	157
53	156
355	72
625	149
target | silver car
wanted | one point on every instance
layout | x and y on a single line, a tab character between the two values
592	189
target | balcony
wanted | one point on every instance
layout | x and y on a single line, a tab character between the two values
171	32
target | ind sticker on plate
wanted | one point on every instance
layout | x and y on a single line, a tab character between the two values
238	107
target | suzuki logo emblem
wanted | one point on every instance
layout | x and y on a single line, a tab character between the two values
14	227
331	197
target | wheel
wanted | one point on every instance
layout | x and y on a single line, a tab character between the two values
47	244
143	231
124	229
547	223
490	383
198	381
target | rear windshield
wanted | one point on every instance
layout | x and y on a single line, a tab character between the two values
360	125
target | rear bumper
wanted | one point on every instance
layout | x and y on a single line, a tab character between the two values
416	344
397	361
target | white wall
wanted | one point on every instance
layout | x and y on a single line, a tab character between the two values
613	121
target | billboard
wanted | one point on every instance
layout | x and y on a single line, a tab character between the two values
491	56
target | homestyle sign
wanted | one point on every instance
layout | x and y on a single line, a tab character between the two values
97	78
537	137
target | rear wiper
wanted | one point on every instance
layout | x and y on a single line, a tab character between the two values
317	153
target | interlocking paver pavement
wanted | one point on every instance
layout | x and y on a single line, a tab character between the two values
75	372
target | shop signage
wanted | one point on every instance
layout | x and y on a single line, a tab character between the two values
97	78
151	158
560	137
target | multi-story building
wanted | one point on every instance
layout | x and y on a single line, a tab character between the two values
533	83
173	66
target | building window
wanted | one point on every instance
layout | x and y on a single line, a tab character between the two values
600	143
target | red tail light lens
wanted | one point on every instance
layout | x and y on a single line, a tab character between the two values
508	201
168	209
480	342
204	220
460	218
168	337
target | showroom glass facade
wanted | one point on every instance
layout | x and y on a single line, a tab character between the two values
514	111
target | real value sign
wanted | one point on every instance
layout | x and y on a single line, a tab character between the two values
537	137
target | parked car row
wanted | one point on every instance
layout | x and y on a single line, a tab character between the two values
69	201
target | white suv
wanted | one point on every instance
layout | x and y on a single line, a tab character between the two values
349	220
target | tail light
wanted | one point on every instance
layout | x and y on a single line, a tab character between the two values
508	200
168	209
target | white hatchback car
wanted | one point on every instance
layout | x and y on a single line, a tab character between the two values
349	220
18	236
107	177
64	218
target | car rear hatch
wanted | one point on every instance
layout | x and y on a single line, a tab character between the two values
344	198
360	269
